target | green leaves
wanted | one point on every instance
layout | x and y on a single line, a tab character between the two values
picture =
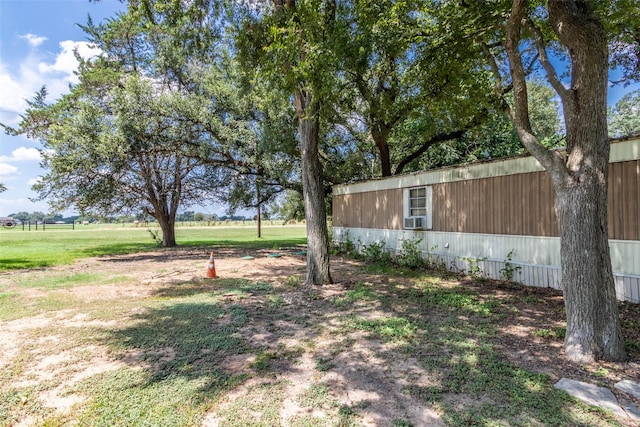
624	119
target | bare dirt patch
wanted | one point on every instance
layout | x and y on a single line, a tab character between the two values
301	340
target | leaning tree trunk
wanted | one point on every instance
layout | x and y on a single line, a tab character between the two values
313	190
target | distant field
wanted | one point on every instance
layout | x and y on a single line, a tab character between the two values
32	249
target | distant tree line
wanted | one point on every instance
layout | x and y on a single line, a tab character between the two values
186	216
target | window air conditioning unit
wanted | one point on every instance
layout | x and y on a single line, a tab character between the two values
415	223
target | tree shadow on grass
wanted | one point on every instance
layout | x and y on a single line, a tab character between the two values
172	356
219	287
187	339
442	338
188	253
262	243
195	343
189	248
475	384
115	249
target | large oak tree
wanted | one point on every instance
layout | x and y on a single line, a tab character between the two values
120	153
533	32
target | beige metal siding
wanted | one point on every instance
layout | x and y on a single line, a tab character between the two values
347	210
388	210
624	207
373	209
520	204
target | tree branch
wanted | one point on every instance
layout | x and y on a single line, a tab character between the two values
553	163
552	76
442	137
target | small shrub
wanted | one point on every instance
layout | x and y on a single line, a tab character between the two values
411	255
375	252
475	270
345	247
156	236
509	269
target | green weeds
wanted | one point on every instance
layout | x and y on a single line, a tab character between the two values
388	328
411	255
376	252
556	333
362	292
509	269
293	281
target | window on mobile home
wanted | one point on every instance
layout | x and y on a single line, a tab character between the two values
417	208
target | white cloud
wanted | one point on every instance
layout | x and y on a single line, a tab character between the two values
33	71
34	181
66	61
6	169
33	40
22	154
12	97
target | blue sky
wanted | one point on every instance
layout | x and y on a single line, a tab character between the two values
37	39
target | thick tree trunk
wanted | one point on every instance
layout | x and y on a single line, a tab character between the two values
307	112
593	326
385	158
313	191
581	179
593	329
167	225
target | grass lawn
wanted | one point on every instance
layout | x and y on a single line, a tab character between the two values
32	249
145	340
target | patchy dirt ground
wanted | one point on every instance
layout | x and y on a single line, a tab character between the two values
308	347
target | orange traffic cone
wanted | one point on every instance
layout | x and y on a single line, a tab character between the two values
211	268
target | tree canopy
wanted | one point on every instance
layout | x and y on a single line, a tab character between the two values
624	118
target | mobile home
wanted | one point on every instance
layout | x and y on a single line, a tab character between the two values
492	215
